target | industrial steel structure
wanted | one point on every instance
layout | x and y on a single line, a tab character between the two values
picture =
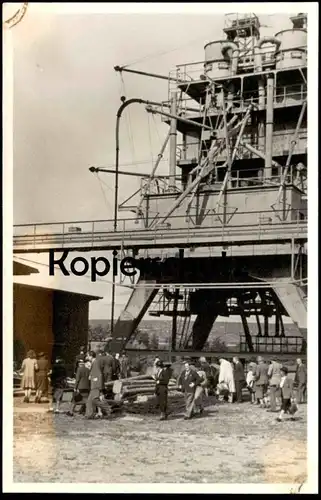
232	209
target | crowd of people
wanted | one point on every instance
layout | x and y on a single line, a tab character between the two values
268	384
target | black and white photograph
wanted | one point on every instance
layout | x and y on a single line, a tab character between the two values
156	305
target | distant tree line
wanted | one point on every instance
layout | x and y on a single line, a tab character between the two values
98	333
142	339
149	340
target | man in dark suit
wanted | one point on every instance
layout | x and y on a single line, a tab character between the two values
82	387
188	381
58	382
301	380
124	366
239	379
107	365
116	372
162	378
96	384
261	383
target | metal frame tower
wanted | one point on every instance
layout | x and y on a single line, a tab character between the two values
228	224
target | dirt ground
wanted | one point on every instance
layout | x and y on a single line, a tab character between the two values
238	443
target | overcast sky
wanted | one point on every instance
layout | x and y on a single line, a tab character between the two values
66	95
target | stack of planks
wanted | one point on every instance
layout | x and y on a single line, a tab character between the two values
132	387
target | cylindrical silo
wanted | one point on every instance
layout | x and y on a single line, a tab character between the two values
216	65
293	49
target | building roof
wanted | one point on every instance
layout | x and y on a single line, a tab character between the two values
37	287
20	269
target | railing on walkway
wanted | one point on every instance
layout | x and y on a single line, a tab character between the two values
276	345
266	226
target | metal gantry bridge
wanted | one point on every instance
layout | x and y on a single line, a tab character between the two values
98	235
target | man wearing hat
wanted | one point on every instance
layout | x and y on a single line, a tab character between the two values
96	384
162	378
301	380
188	381
262	380
82	387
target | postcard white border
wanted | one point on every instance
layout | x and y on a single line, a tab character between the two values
153	8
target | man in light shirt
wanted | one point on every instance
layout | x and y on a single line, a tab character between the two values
286	386
274	375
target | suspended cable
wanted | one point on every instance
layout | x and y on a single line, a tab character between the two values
216	285
103	192
128	164
156	127
158	54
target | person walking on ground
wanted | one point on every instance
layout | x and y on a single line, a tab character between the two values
162	378
301	381
201	390
286	386
205	367
239	378
188	381
261	383
28	368
250	379
226	376
253	368
41	377
116	372
96	384
124	366
58	383
274	375
107	365
215	373
82	387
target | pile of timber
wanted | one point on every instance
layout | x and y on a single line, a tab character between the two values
176	405
130	388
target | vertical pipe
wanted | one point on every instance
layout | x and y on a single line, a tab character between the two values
235	61
261	128
269	126
292	258
227	139
119	113
173	141
174	322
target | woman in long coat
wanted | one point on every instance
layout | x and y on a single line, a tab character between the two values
41	377
29	367
227	376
